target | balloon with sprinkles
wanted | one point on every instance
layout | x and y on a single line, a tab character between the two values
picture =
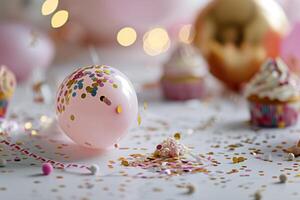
96	105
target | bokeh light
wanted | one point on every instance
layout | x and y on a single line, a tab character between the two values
156	41
28	125
49	6
126	36
59	18
186	33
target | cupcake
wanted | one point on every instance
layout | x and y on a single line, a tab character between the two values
273	95
183	75
7	88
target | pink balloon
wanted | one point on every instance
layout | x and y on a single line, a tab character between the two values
96	106
23	48
291	8
290	49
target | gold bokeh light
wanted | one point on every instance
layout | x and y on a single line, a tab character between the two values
186	33
59	18
49	6
156	41
126	36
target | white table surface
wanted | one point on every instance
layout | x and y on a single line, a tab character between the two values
209	125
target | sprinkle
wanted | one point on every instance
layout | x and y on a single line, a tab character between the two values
241	159
47	168
168	172
94	169
290	157
83	95
107	101
125	163
106	71
139	119
190	190
282	178
177	136
257	195
72	117
238	159
102	98
2	162
119	109
115	85
235	160
145	105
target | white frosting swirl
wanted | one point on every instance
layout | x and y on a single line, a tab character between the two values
184	61
274	81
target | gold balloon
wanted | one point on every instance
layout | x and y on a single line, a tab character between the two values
236	36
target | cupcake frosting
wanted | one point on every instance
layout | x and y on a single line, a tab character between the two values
274	81
184	61
7	82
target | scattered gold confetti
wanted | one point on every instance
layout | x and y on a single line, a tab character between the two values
119	109
72	117
297	175
157	190
238	159
190	190
257	195
139	119
145	105
125	163
177	136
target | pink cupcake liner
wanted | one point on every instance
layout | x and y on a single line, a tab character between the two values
274	115
180	91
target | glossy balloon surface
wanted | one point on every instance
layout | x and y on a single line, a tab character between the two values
96	106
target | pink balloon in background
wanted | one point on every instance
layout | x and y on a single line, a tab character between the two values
291	8
290	49
96	106
24	48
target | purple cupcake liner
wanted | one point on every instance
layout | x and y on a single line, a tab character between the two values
181	91
274	115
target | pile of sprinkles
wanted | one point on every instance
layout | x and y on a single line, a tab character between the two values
170	157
